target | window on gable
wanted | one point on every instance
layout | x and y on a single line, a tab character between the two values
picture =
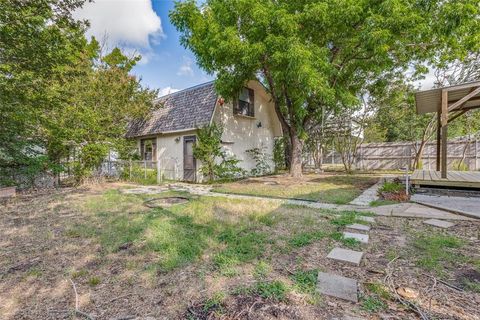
245	106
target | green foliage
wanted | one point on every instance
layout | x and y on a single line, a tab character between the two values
305	238
242	246
459	165
94	281
309	58
305	281
215	162
373	304
262	166
279	154
437	251
275	290
391	186
60	96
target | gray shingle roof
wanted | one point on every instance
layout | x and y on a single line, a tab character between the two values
186	109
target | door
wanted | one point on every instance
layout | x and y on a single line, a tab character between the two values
189	162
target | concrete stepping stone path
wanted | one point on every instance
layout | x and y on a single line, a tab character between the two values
346	255
358	226
439	223
366	219
363	238
337	286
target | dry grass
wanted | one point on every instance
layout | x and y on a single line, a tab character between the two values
328	187
215	258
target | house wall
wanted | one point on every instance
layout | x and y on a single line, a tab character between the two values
241	133
170	154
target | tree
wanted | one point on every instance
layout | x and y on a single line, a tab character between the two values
101	99
59	93
37	40
314	53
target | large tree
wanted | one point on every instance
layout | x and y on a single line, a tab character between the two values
314	53
37	40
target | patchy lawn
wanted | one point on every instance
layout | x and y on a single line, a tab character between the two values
219	258
327	187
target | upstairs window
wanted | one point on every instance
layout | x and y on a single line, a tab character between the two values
244	106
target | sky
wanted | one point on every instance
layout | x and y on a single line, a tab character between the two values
143	26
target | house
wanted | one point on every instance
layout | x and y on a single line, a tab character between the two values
169	134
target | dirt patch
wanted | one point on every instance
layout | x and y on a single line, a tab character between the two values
165	202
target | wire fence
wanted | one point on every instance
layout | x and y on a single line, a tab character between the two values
146	172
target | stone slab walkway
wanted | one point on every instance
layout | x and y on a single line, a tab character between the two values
413	210
409	210
337	286
363	238
439	223
346	255
468	206
358	226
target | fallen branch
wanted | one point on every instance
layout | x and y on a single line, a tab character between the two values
389	281
445	283
77	311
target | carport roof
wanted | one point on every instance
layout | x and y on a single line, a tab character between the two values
428	101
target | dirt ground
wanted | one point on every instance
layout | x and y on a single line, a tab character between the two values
42	265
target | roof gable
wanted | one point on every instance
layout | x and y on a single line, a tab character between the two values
186	109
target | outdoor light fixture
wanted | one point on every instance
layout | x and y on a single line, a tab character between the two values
259	124
177	139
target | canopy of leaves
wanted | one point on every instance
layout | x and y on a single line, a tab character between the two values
59	93
313	53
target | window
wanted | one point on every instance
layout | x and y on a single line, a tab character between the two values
245	106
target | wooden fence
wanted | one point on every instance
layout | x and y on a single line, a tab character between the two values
395	155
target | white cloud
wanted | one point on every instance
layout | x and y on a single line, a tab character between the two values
186	67
167	90
129	24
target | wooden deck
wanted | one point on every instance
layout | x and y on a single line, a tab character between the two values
457	179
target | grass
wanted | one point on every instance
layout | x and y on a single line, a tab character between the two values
373	304
275	290
338	189
391	186
382	202
305	281
232	231
436	252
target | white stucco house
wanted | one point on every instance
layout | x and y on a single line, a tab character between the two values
169	133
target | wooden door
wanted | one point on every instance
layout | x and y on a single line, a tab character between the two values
189	161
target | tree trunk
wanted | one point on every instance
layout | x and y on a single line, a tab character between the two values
296	145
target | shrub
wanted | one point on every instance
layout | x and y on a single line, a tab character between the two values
215	162
262	167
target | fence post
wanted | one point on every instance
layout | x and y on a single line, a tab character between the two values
130	166
145	169
159	173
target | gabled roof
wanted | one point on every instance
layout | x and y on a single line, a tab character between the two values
186	109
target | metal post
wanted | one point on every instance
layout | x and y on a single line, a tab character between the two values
159	173
130	175
145	169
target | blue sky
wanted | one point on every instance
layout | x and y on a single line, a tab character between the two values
173	66
143	26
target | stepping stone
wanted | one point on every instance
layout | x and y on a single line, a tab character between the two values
358	226
346	255
337	286
439	223
366	219
363	238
